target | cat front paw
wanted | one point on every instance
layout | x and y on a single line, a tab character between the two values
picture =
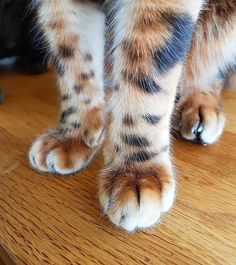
70	148
135	198
201	118
60	153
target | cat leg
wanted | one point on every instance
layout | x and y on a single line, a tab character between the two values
200	116
231	77
75	35
150	44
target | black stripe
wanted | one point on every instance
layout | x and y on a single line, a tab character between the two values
143	82
151	119
141	156
116	87
87	101
84	77
117	148
59	67
75	125
128	120
135	140
77	88
177	98
66	97
176	47
137	188
67	113
66	51
88	57
164	149
91	73
147	84
144	155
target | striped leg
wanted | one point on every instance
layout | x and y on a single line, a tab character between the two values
201	118
150	44
74	31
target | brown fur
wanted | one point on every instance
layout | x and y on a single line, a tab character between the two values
153	46
69	151
132	186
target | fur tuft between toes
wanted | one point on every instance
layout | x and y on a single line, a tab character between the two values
56	153
136	199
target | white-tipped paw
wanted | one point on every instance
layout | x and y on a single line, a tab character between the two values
201	118
135	199
55	153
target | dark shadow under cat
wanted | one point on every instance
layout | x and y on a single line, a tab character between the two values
19	48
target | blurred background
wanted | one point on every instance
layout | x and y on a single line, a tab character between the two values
21	45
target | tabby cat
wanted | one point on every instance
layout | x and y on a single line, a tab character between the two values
155	50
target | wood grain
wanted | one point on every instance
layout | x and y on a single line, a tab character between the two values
46	219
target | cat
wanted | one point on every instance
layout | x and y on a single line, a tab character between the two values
157	49
16	38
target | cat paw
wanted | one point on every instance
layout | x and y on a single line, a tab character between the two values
201	118
135	198
93	127
61	153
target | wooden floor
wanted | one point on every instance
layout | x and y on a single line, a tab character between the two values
45	219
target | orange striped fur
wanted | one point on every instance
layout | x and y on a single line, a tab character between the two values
155	50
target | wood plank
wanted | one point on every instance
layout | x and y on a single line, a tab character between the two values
52	220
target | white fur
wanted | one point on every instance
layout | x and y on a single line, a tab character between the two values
168	197
130	216
34	156
218	55
52	161
87	23
213	129
135	216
